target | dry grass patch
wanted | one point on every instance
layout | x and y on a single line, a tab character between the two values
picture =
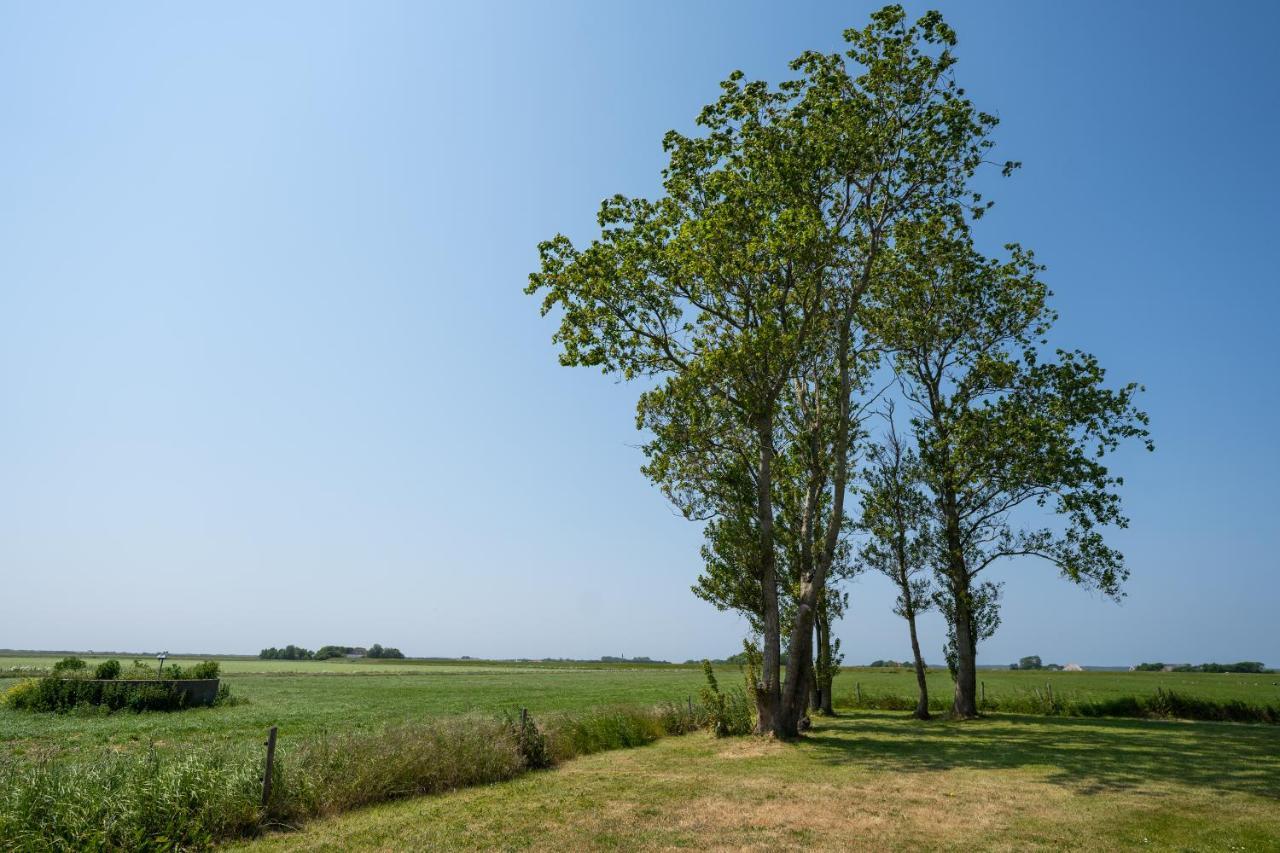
871	782
751	747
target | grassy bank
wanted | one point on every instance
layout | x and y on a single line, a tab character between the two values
871	781
192	798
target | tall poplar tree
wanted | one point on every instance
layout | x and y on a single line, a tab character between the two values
1005	430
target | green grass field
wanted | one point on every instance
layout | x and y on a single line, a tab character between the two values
876	779
305	697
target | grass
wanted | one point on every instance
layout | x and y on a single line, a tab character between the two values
872	780
195	797
313	698
356	733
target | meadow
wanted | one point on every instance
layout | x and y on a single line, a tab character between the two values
309	697
360	740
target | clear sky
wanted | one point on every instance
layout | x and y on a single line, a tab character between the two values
267	373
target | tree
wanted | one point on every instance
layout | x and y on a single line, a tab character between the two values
1030	662
896	516
828	657
738	293
1001	429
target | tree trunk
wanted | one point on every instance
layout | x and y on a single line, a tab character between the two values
825	675
815	679
922	704
768	693
966	700
794	690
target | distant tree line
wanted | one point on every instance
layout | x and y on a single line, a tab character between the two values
292	652
625	659
1250	666
289	652
893	664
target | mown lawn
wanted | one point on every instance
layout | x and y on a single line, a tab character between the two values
867	781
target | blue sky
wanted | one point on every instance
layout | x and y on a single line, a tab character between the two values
267	374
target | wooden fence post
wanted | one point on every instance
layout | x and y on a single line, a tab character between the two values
524	717
271	760
857	685
984	692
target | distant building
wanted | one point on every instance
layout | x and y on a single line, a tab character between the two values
1073	667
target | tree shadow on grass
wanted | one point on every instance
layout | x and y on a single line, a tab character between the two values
1087	755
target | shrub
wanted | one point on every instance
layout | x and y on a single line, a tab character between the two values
727	713
69	665
205	669
107	670
19	695
56	694
531	743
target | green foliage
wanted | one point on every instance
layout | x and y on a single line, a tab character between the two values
1001	426
531	743
1244	666
984	618
205	669
738	293
22	695
1163	704
107	670
69	666
727	713
289	652
58	694
195	797
202	670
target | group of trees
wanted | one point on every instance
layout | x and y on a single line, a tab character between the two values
1244	666
1033	662
292	652
289	652
812	257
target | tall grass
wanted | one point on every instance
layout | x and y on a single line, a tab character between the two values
157	799
1163	704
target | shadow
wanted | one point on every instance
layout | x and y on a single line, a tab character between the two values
1086	755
